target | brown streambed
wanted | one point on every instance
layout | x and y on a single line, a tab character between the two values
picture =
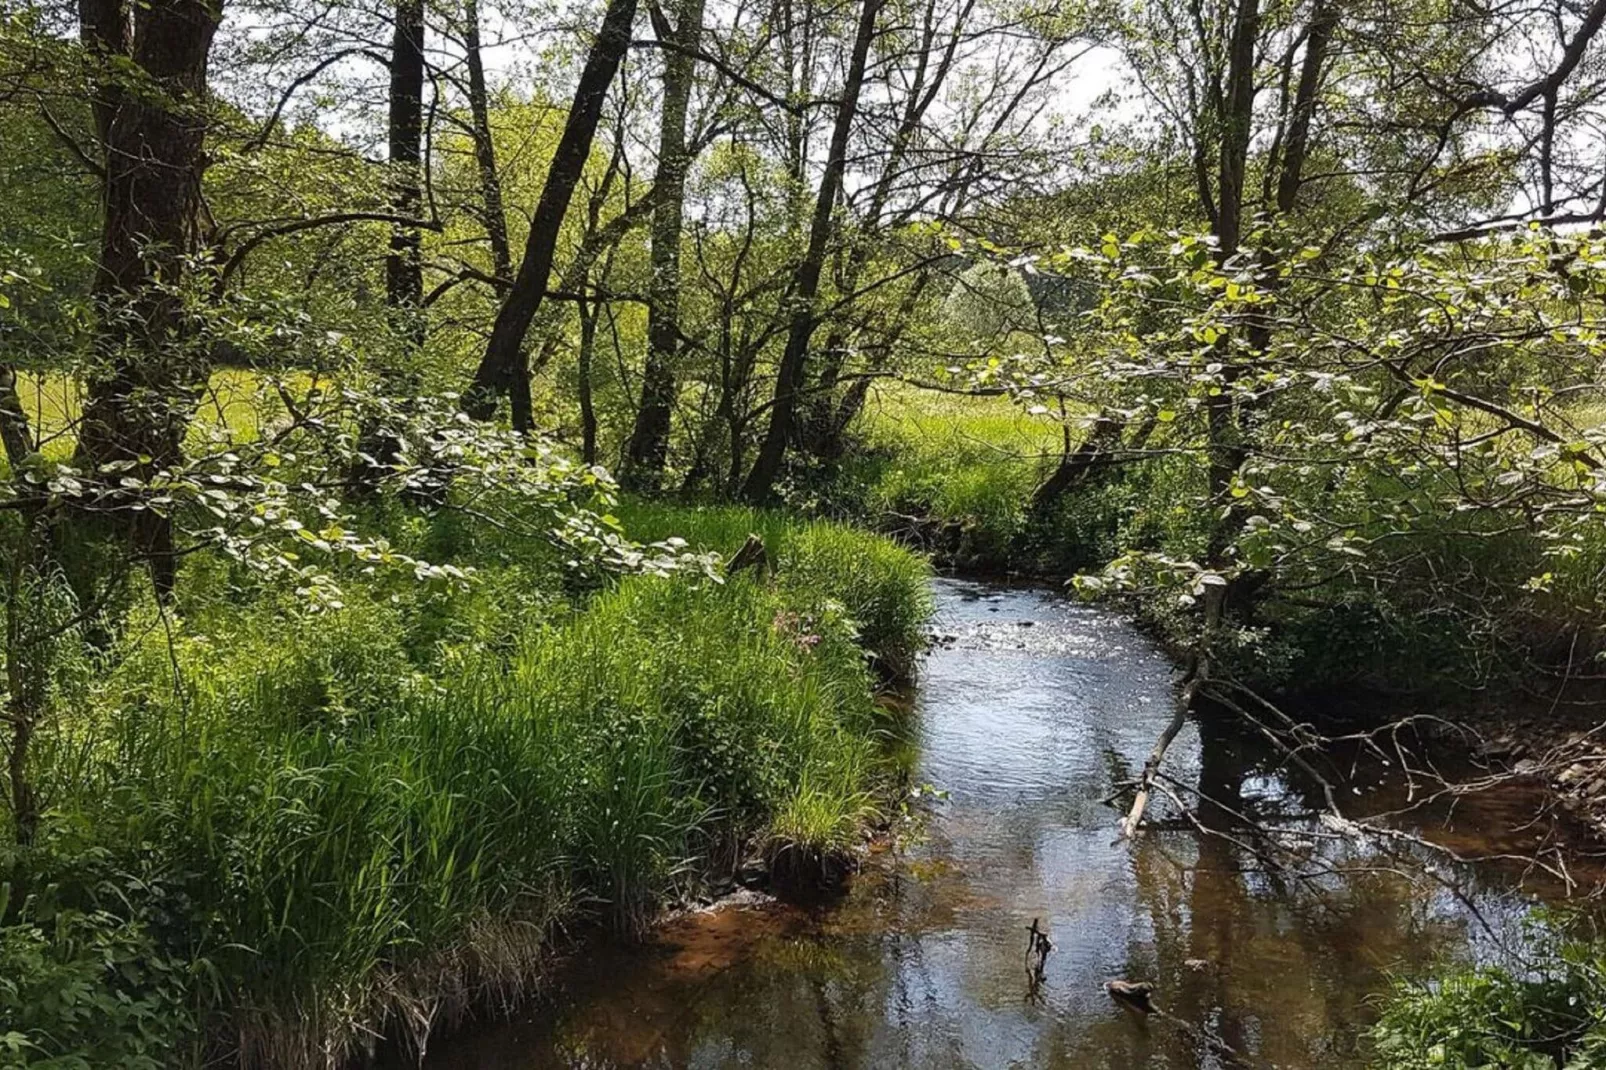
1027	708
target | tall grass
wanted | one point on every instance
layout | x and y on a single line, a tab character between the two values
362	823
973	462
881	587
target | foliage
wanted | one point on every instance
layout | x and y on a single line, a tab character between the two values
84	984
829	568
1398	426
1548	1011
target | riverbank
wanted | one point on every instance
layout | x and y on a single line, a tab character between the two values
1026	707
292	834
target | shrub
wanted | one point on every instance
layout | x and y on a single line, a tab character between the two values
80	986
1546	1012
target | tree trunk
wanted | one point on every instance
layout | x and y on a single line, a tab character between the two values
588	351
1236	121
15	435
103	27
760	484
141	394
503	368
648	448
404	268
495	216
1324	20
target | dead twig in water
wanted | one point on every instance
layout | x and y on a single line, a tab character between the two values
1038	946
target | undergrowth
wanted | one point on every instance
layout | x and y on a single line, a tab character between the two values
277	837
1546	1011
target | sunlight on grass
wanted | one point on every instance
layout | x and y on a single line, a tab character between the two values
953	458
238	401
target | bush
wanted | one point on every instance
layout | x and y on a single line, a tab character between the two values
1544	1013
81	987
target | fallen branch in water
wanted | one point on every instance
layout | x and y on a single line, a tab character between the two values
1151	767
1198	675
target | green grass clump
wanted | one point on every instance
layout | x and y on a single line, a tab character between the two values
363	821
883	588
972	461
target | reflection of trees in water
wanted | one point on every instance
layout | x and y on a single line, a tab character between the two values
1277	962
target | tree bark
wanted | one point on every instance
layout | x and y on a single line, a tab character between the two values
404	268
503	368
648	449
141	394
760	484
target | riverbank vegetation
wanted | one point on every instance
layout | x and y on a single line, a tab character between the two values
338	674
294	834
1543	1010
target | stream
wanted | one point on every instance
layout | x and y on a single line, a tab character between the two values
1027	708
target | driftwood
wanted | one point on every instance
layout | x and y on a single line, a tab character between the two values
1134	994
1139	996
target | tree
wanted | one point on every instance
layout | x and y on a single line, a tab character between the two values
504	368
805	283
404	268
648	447
151	116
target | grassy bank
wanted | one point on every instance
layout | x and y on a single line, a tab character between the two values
278	836
956	472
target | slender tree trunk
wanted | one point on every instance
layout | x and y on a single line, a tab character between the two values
1324	21
378	447
1236	122
587	358
404	268
141	394
648	448
503	368
824	423
495	215
760	484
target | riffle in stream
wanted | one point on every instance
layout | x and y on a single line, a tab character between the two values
1027	709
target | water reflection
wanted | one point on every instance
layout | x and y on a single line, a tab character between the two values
1028	709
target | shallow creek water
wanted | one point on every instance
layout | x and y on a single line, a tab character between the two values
1027	708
